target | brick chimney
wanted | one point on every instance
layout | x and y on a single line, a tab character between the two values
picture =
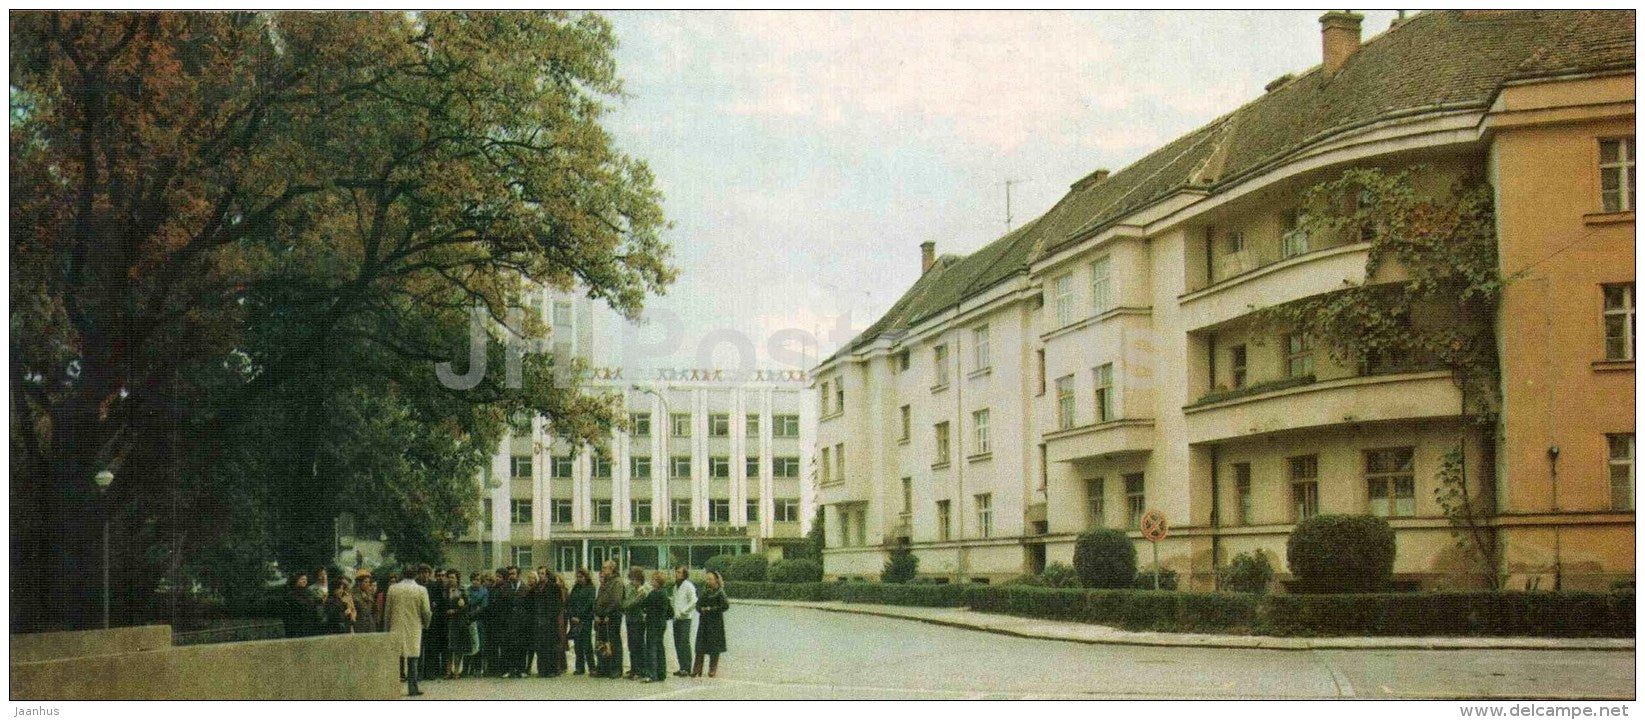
1339	38
928	256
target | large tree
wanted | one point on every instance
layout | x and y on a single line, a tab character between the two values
240	243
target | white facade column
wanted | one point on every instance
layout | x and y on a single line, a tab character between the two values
660	460
699	457
736	489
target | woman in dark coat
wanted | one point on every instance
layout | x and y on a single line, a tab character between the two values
547	639
659	607
338	612
459	623
711	607
580	612
434	636
302	612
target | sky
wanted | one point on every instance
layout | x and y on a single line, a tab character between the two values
804	156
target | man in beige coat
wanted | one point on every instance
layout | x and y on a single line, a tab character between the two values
408	613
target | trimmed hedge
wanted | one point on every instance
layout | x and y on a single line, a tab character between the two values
795	570
1478	613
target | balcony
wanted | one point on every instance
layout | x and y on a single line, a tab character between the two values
1272	283
1295	405
1098	439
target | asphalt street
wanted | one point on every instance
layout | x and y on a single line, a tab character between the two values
785	653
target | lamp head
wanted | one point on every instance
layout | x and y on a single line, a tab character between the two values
104	479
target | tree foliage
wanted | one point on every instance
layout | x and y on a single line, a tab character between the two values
241	241
901	566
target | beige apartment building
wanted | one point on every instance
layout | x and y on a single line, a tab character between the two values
1109	358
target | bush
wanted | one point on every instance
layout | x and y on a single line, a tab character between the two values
902	566
810	592
1341	554
909	594
1145	579
751	567
1248	573
720	564
1105	559
1059	575
795	571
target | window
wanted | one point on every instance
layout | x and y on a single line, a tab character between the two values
1101	293
719	511
751	467
642	424
1103	377
1039	377
785	467
602	511
839	396
1622	470
939	361
787	510
602	466
985	515
1616	174
679	466
1390	482
1135	500
1065	402
1299	356
680	511
521	556
785	426
562	312
979	432
519	511
559	512
640	467
906	423
899	362
1242	493
719	466
944	520
1293	240
1304	486
752	423
839	462
942	443
1062	298
562	466
1095	503
681	424
907	495
1236	363
565	559
520	466
979	348
752	512
1619	321
640	512
826	398
827	465
486	521
719	425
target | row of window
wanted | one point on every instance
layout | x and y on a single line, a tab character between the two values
719	425
851	517
1063	303
719	466
719	511
1104	405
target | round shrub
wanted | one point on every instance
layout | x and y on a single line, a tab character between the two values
797	570
719	563
901	567
1105	559
1341	554
748	568
1248	573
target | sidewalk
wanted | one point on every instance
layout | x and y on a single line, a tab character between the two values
1104	635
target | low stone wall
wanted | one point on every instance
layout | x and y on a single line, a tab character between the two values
34	647
328	667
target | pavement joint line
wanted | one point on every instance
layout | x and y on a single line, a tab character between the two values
1345	689
1257	642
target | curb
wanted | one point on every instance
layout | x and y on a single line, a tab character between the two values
1233	642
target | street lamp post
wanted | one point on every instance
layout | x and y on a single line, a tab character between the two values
663	509
104	479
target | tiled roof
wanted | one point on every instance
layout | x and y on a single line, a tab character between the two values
1438	59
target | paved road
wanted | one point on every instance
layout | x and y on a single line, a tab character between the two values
792	653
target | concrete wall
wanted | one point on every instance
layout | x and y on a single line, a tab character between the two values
35	647
122	664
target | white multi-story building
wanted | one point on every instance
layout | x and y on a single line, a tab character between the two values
712	461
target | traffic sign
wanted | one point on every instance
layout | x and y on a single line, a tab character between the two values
1154	528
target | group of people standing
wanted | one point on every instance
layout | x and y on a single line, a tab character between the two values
498	624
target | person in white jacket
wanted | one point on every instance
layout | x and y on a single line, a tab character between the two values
408	613
685	610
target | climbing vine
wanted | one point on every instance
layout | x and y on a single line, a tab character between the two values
1429	300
